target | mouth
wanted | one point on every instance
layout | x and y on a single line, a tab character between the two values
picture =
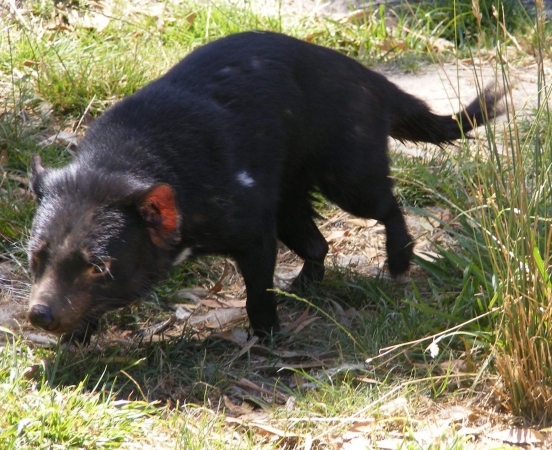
74	327
54	328
81	335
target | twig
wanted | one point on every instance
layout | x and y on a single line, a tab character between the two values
386	350
19	15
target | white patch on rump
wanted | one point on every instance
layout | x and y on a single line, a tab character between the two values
245	179
183	256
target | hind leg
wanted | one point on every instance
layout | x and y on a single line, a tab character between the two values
399	242
372	198
298	232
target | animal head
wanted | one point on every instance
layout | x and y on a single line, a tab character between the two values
98	242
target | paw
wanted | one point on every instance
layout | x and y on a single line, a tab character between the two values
399	262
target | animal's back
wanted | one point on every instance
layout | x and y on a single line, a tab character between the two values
277	90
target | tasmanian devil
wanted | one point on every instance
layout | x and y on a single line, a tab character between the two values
221	155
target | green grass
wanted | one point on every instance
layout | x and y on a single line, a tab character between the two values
38	414
186	391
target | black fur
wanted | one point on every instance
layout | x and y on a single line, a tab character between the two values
220	155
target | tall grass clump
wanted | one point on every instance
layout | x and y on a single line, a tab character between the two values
516	217
501	193
506	238
513	195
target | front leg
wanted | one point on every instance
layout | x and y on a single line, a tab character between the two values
257	264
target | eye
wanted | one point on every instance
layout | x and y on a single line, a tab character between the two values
35	262
38	260
99	268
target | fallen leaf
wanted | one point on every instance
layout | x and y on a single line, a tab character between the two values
194	295
153	9
190	18
371	252
236	335
428	256
470	364
30	371
363	426
395	406
291	402
281	367
244	408
268	429
181	314
446	216
518	436
380	259
390	444
21	180
298	380
455	366
439	222
364	223
351	260
218	285
244	383
346	369
441	45
335	235
215	303
388	45
357	16
247	346
352	312
59	27
65	137
219	317
236	303
210	303
157	328
434	222
99	22
306	323
357	443
472	431
367	380
424	223
431	433
293	325
456	413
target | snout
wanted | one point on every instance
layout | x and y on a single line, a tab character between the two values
41	317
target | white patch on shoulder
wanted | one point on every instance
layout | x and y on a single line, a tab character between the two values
183	256
226	71
256	64
245	179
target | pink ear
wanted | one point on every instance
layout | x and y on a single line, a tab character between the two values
158	208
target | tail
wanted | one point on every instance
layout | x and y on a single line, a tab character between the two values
412	120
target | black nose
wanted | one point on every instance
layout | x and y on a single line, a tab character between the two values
41	316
